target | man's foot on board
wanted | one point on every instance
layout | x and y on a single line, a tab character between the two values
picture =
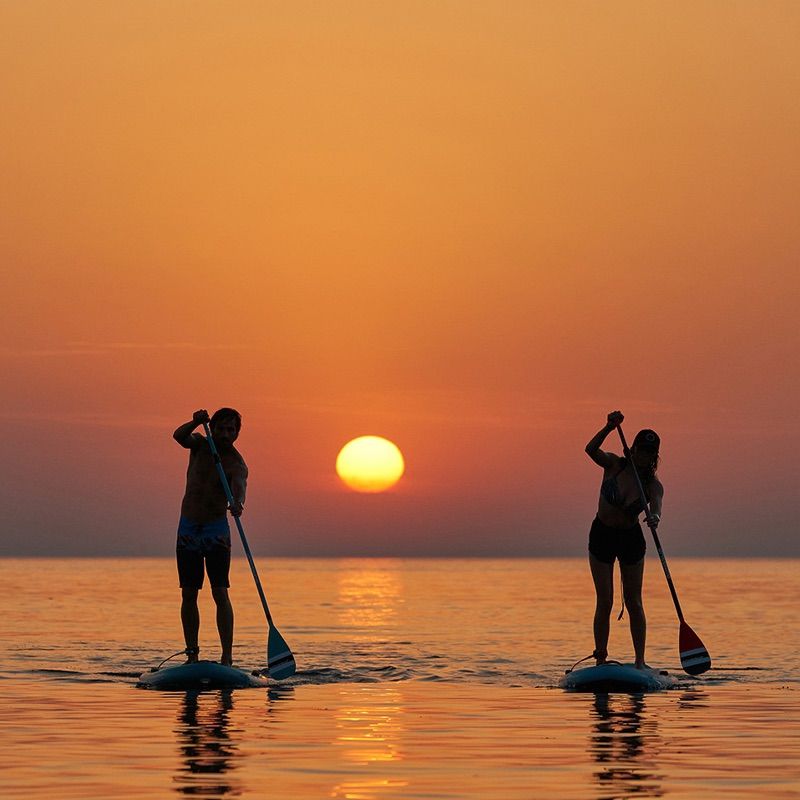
192	654
226	662
642	665
600	658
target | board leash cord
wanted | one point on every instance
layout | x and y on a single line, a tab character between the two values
189	651
591	655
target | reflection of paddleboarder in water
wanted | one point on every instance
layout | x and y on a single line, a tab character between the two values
209	752
617	534
623	744
210	740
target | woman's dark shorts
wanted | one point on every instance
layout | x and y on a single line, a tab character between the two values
607	544
206	543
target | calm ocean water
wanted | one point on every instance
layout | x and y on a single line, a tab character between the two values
416	679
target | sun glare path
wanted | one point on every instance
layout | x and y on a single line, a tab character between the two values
370	464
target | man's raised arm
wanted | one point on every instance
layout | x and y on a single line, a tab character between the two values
183	433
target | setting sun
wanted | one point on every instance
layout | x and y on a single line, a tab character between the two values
370	464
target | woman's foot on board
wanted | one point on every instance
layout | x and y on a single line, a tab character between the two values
226	660
642	665
600	656
192	654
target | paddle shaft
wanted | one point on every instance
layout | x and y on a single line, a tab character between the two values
649	525
229	494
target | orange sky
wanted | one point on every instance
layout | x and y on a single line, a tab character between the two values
471	227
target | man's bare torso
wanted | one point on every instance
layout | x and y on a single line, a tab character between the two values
205	499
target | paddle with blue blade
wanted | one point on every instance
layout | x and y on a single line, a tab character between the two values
694	656
280	661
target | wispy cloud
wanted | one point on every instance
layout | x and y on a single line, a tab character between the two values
94	419
81	349
445	408
631	404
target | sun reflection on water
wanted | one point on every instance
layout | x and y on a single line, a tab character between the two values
369	724
369	731
369	597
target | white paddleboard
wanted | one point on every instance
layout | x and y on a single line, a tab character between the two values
201	675
617	678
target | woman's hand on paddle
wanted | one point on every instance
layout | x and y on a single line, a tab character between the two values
615	418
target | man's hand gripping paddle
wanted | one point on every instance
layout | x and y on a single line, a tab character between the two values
694	656
280	661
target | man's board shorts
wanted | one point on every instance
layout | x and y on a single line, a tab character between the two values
201	543
607	544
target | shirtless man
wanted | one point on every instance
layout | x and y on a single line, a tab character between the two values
203	533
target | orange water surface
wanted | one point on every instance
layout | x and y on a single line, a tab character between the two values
416	679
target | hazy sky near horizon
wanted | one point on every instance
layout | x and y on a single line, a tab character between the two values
473	228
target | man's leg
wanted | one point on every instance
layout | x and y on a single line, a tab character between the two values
218	564
190	574
224	622
190	619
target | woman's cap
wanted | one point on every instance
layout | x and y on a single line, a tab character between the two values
647	440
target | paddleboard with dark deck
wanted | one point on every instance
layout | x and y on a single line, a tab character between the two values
201	675
617	678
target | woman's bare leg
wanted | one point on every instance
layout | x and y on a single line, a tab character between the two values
603	576
632	592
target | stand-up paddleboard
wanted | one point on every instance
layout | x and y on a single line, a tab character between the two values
617	678
201	675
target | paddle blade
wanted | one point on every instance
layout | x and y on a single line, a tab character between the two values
694	656
280	661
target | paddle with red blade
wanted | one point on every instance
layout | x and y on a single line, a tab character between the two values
694	656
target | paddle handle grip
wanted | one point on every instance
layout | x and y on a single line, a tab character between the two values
657	541
229	495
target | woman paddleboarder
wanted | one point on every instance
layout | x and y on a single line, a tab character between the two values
617	534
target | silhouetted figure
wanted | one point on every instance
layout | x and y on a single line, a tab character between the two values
617	534
204	538
210	753
625	744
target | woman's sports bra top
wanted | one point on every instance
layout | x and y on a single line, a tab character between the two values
609	491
